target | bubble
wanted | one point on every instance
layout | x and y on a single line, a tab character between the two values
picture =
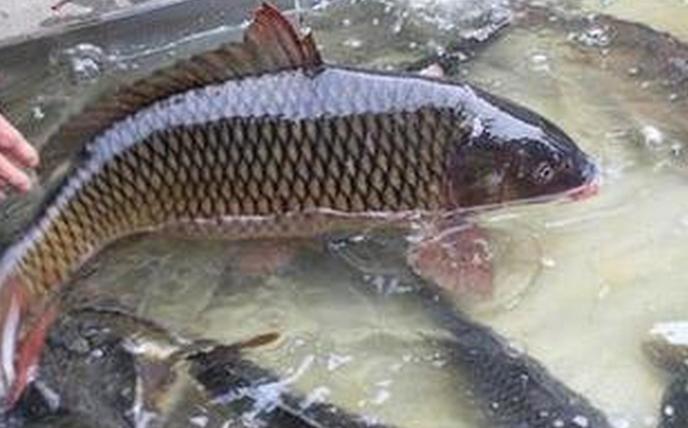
37	113
319	394
548	262
84	63
353	43
199	421
595	36
335	361
652	136
581	421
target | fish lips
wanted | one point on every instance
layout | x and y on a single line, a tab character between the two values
591	186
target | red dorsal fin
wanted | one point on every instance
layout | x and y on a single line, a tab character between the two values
271	43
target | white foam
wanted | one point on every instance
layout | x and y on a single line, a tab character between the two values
675	333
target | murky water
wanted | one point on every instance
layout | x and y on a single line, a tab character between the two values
579	284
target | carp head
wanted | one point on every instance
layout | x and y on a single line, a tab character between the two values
514	154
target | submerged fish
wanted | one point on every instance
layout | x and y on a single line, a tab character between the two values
506	387
262	139
236	382
667	347
106	368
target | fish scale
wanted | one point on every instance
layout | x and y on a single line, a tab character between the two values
252	175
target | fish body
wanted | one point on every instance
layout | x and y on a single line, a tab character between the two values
245	153
262	139
505	386
510	388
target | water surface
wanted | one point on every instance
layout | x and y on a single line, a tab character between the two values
578	284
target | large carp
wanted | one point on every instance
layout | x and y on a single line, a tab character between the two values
262	139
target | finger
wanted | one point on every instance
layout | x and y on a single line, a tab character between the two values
14	145
13	175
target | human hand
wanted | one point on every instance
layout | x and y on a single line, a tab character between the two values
15	153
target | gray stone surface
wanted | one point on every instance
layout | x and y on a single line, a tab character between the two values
28	17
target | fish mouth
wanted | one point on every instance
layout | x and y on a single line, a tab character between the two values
585	191
590	188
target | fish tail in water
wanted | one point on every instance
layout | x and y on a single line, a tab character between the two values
28	354
29	273
11	310
19	359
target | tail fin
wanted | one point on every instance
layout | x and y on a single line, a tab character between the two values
21	342
10	319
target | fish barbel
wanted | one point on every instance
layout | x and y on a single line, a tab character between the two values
262	139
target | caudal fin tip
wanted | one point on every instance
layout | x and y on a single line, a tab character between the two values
11	318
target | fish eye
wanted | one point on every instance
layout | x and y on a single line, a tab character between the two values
543	173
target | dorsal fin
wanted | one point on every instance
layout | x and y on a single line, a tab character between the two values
271	43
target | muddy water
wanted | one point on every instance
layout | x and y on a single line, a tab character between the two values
578	284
